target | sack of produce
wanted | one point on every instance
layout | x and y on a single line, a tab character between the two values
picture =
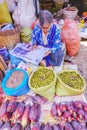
69	83
42	82
70	36
4	13
26	34
15	83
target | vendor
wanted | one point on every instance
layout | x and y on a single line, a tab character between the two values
47	34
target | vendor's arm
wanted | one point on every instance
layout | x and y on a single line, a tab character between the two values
33	47
47	53
36	35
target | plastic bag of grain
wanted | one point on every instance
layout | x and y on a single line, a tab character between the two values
42	82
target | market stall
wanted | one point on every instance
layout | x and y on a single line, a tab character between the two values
35	97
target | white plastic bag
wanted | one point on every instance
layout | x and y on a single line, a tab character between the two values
11	5
24	14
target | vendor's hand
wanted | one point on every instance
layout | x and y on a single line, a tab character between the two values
47	53
33	47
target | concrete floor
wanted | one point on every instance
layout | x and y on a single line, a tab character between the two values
81	61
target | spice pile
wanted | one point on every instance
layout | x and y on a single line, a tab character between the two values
15	79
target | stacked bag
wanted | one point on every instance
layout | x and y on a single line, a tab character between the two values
26	34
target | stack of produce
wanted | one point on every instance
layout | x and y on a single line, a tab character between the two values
15	114
71	114
42	82
22	116
69	82
26	34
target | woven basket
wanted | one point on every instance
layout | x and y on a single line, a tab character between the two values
9	38
70	14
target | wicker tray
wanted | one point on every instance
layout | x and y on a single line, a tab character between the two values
70	14
9	38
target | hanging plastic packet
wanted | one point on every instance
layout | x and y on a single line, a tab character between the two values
7	27
4	53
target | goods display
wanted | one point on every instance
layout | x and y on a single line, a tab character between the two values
15	83
72	79
69	82
42	77
42	82
21	115
34	97
70	111
15	114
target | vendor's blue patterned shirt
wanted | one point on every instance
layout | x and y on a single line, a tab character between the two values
37	37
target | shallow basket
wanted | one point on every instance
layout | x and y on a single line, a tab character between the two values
70	14
9	38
